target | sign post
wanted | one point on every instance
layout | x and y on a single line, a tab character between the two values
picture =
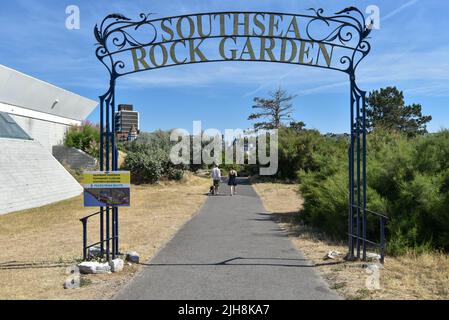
107	189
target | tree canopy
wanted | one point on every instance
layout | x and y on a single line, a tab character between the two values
387	110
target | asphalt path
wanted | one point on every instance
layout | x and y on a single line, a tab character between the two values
231	250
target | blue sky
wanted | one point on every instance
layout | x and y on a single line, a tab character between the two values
410	51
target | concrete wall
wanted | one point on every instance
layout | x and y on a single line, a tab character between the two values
48	134
75	158
31	177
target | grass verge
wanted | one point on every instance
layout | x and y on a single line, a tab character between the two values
38	244
409	277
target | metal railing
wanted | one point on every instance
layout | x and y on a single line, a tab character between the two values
381	245
103	251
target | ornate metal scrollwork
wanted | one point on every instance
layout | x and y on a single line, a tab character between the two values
113	29
351	30
346	31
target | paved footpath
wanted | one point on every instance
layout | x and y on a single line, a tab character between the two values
231	250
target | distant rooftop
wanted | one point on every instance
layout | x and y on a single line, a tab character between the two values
10	129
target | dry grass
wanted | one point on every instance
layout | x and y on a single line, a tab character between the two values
404	278
42	242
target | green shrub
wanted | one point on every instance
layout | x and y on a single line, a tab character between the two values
408	179
174	174
148	158
144	168
326	205
85	137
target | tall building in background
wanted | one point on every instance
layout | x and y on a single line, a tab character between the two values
127	123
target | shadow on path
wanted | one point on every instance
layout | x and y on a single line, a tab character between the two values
229	263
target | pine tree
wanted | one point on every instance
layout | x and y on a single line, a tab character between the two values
387	110
274	111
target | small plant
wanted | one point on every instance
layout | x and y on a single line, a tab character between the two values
85	137
85	282
338	286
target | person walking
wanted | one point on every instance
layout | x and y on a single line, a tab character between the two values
216	177
232	181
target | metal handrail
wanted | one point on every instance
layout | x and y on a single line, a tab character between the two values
383	220
372	212
102	241
88	217
84	221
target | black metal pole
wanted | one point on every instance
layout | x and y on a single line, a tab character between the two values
351	177
358	178
382	240
101	169
117	231
364	174
84	222
114	168
108	132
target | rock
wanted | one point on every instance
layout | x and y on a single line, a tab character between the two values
133	257
373	256
72	270
117	265
373	280
94	268
73	282
332	255
88	267
95	252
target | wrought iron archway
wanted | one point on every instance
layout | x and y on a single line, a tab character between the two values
126	47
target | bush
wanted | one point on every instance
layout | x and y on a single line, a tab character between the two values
85	137
408	179
174	174
298	150
143	167
295	151
148	158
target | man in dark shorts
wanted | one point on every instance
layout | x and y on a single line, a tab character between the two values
216	177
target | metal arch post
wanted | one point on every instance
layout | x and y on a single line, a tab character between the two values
351	174
108	162
111	168
364	174
102	168
107	168
115	235
358	177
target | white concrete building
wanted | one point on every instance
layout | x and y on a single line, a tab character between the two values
34	117
44	111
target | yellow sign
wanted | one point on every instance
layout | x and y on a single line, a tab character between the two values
107	189
100	178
